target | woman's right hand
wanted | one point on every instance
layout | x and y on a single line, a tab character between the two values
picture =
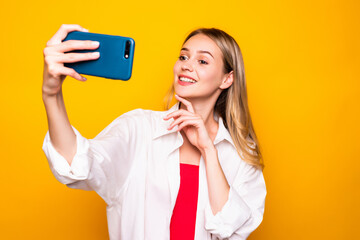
54	58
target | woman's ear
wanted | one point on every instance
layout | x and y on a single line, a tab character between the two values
227	81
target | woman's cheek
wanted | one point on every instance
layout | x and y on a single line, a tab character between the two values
206	74
176	67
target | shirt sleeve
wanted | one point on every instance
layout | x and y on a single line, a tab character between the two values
101	164
244	209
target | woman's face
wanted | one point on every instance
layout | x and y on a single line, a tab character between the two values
198	73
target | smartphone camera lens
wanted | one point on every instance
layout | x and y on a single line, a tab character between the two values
127	49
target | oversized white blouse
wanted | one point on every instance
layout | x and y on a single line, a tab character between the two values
133	164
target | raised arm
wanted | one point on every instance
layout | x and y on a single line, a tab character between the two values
61	133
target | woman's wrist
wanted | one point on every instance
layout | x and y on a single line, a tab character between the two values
208	150
51	96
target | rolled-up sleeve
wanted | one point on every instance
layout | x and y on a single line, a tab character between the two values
63	172
101	164
244	209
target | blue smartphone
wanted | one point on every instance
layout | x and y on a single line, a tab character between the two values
116	56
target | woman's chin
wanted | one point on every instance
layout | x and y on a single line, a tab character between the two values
183	94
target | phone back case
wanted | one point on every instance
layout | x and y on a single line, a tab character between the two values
112	62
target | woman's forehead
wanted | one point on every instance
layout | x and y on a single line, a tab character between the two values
202	43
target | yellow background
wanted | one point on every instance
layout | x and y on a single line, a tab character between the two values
302	69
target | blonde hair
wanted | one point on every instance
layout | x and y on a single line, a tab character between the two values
232	103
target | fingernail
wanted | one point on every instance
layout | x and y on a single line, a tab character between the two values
95	54
84	78
85	30
95	43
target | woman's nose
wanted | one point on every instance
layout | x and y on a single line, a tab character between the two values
187	66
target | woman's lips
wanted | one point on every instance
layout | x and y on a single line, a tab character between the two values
185	80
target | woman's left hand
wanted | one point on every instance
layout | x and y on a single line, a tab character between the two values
192	125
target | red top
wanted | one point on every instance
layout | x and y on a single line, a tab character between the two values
182	225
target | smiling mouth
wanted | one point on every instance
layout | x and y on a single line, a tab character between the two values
185	79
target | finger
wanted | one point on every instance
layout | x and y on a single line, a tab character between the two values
63	32
177	113
76	57
71	45
187	123
71	72
181	119
186	103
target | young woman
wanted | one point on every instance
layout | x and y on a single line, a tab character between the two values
191	172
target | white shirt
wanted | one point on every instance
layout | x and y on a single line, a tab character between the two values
133	164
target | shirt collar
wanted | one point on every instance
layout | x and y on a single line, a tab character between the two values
223	133
162	127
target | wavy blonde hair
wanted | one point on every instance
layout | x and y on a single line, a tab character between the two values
232	103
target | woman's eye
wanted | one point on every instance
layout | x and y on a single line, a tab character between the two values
203	62
181	58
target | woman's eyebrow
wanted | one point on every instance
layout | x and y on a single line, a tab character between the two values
200	51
